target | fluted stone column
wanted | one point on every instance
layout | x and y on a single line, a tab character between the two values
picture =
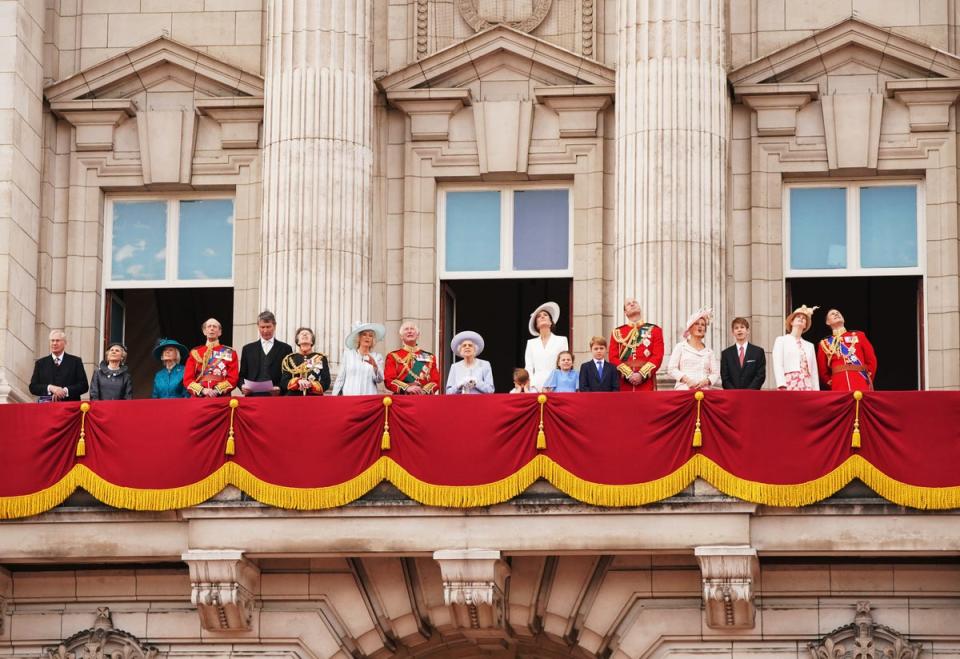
672	131
318	176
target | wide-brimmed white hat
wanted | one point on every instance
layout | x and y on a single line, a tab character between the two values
552	308
806	311
354	336
466	336
704	312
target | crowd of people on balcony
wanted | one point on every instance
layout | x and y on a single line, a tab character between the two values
844	361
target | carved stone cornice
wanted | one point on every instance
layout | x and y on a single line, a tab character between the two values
729	575
864	639
777	105
223	587
95	120
239	118
474	586
577	106
429	110
101	641
928	101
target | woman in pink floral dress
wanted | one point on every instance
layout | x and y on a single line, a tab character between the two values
794	359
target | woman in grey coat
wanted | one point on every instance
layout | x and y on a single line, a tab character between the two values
111	381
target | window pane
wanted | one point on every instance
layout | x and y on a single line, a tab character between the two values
206	239
139	240
888	226
818	228
541	233
473	231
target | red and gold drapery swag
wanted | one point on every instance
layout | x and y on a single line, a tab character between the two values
776	448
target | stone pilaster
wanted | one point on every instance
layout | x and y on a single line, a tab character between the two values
21	155
317	167
672	131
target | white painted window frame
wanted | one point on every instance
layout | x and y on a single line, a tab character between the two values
506	270
172	247
853	268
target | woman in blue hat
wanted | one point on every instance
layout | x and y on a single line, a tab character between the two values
168	382
470	375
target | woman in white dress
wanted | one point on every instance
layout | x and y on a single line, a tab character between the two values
794	359
361	369
542	351
472	375
692	364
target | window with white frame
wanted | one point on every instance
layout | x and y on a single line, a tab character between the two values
170	242
858	228
505	232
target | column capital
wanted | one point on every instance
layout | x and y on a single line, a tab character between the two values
729	574
223	587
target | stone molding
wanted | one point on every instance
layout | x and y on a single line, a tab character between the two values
134	70
577	106
729	575
101	641
777	105
95	120
864	639
223	587
239	118
782	64
474	583
430	110
928	101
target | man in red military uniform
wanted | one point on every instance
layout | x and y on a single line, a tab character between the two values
636	349
211	369
411	370
845	359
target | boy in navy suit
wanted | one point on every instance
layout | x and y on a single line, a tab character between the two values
597	374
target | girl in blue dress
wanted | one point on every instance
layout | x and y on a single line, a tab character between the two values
563	379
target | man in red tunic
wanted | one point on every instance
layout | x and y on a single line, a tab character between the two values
211	369
845	359
636	349
411	370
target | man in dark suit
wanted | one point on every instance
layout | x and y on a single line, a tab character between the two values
598	374
260	361
59	375
742	365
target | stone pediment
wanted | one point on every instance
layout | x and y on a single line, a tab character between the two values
161	65
499	53
849	47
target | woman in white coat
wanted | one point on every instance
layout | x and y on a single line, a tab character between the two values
361	369
542	351
794	359
692	364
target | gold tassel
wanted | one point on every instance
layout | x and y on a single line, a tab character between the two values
82	444
385	439
855	439
231	445
541	436
697	434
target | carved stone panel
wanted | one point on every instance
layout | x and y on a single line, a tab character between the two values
101	641
864	639
484	14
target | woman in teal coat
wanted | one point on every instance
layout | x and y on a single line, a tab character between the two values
168	382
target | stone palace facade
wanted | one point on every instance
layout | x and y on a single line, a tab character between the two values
455	163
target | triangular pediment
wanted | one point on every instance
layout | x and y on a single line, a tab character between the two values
158	65
849	47
499	53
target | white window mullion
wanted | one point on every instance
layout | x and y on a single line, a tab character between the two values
506	230
853	227
173	236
